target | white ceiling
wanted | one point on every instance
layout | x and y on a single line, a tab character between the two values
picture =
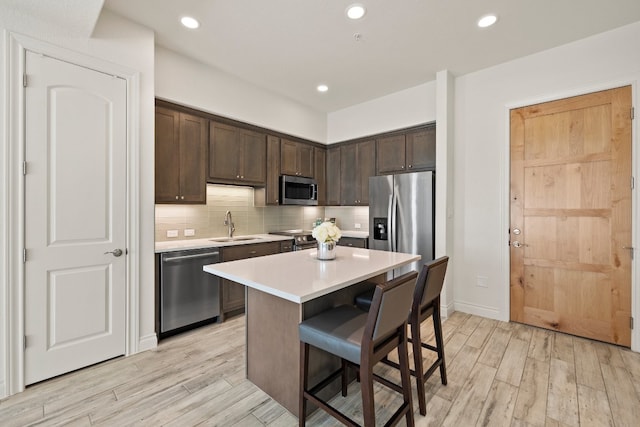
290	46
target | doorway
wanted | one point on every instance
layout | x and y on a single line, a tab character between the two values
570	215
75	217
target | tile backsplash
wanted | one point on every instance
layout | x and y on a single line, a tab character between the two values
208	220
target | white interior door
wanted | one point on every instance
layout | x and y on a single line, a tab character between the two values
75	206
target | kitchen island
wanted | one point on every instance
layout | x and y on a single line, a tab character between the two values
284	289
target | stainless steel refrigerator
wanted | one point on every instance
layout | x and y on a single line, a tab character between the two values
401	216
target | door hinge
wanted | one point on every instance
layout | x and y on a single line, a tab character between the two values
631	322
633	113
24	342
24	80
633	182
24	255
24	168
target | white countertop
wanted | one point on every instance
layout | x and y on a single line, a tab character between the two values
300	277
179	245
356	234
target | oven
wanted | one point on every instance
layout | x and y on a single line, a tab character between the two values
302	239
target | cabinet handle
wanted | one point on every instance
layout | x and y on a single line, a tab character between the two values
237	176
410	166
401	167
177	197
241	176
252	252
182	197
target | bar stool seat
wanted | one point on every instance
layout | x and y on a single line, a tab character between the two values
426	304
361	339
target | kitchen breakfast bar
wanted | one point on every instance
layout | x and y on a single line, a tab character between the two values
284	289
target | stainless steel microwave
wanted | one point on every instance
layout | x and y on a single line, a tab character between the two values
298	190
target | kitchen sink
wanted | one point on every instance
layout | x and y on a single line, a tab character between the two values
233	239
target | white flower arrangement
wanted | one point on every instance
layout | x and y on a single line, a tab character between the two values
326	232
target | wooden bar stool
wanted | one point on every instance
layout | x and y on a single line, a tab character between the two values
361	340
426	303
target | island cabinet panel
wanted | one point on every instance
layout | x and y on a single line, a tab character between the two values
232	296
236	155
357	164
296	158
320	155
333	176
410	152
180	157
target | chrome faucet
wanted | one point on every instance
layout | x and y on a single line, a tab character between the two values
229	223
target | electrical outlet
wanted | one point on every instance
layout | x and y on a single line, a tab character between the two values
357	226
482	282
172	233
188	232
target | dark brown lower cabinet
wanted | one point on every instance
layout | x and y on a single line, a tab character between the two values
354	242
232	294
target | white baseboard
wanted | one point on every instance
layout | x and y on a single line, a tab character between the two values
480	310
446	310
148	342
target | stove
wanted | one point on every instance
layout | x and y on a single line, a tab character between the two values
302	239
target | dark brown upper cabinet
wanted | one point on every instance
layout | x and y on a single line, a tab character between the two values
333	176
236	155
272	188
180	157
296	158
357	164
413	151
320	170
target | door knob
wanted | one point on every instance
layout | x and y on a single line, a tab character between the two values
516	244
116	252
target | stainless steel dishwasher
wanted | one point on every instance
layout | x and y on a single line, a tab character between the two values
189	297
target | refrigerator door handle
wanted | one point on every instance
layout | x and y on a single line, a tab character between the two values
394	224
390	223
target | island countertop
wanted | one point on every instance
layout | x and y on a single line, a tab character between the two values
300	277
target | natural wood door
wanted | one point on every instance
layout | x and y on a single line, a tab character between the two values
75	217
571	215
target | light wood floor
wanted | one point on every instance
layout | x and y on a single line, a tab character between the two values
500	374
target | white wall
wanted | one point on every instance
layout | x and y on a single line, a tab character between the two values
129	45
194	84
481	156
399	110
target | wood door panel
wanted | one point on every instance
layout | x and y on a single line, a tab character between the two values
571	200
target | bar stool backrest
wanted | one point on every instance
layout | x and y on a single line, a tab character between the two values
429	288
390	306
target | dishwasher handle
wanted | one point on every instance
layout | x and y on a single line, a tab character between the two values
179	258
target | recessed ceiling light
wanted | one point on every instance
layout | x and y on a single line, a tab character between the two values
322	88
487	21
190	22
356	11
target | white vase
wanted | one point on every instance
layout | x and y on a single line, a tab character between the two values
326	250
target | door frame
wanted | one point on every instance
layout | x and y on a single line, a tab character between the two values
13	227
635	223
